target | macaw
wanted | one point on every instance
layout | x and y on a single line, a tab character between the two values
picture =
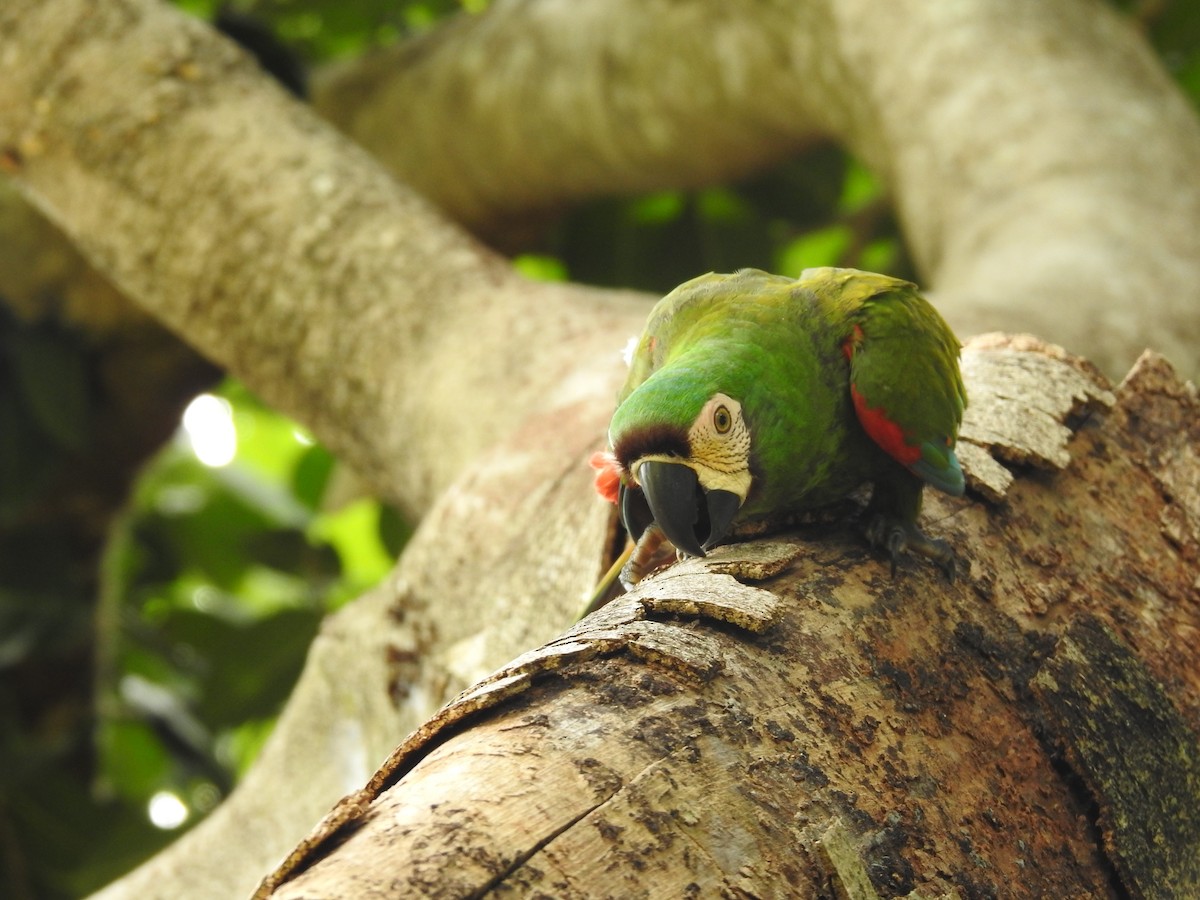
752	397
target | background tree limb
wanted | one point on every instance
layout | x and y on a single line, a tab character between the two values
1041	161
281	251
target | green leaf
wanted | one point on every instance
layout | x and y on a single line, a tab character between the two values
658	208
823	247
71	844
879	255
268	443
289	550
540	268
51	371
354	532
394	531
241	745
859	188
134	762
311	476
722	205
251	667
206	518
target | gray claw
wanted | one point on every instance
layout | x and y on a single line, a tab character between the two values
898	537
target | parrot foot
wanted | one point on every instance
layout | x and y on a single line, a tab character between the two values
648	554
652	551
897	537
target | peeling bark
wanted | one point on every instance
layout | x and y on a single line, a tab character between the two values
782	719
288	256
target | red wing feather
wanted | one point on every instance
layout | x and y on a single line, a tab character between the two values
883	431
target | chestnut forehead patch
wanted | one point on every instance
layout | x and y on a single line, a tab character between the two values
657	439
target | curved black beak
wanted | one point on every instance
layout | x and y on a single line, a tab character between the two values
635	511
671	496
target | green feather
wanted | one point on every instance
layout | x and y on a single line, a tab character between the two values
779	346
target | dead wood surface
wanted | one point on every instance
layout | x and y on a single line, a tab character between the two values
784	719
233	215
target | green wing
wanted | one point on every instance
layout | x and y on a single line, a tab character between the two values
905	381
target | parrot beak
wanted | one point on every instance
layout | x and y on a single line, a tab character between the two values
670	495
635	512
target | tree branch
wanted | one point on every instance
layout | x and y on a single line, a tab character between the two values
286	254
280	250
532	105
781	714
1050	191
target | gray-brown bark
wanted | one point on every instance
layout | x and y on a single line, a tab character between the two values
783	719
278	248
1041	161
287	255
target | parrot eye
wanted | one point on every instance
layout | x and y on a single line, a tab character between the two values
722	420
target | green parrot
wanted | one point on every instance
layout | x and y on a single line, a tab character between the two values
752	397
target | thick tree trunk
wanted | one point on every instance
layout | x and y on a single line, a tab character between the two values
1042	162
280	250
288	256
783	719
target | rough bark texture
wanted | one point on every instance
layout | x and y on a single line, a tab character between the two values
783	719
1033	183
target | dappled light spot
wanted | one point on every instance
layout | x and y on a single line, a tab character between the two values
208	422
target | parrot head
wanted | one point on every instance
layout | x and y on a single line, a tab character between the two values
683	451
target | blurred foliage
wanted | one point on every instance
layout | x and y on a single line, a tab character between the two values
321	30
211	586
1173	28
820	209
156	670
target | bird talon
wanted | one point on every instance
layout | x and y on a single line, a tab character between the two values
897	538
897	543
